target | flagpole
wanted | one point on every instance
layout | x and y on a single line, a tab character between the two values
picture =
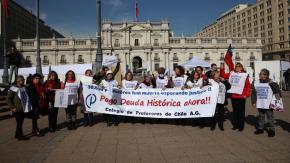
38	59
5	64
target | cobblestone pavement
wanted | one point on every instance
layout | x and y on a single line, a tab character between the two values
158	142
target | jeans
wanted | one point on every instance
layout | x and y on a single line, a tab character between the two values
13	68
263	114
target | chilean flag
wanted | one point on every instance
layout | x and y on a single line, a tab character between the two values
228	58
5	7
136	8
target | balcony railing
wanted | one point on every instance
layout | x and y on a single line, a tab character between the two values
175	59
80	60
237	58
63	61
207	58
116	45
157	59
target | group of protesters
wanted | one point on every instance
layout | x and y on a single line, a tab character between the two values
36	96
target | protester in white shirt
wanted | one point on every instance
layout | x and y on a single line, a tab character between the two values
161	79
220	109
88	116
72	87
147	83
193	81
110	83
179	79
263	91
128	82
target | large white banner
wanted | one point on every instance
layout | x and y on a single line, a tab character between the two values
153	103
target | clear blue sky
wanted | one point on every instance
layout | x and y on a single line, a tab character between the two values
78	17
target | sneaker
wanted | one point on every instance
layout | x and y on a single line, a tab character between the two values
258	131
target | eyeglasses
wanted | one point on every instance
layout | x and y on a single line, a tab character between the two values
263	74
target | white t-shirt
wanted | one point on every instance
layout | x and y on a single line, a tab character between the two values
179	81
71	90
129	84
161	83
143	86
109	84
195	83
264	94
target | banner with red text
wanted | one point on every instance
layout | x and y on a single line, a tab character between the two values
152	103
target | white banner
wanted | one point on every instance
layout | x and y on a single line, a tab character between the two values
61	98
237	81
153	103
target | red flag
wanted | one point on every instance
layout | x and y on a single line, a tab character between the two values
136	8
5	7
228	58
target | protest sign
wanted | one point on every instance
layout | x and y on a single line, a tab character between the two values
61	98
152	103
237	81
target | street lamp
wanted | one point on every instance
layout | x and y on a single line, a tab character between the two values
5	64
38	59
99	54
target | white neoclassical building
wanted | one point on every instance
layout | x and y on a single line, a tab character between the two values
139	45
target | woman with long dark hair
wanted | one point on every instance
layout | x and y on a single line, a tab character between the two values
35	92
51	84
71	86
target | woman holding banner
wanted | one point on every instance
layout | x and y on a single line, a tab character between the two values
262	94
72	87
161	79
88	116
51	84
240	90
193	81
110	83
128	82
179	79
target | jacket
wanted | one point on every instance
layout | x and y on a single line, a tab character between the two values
14	101
247	89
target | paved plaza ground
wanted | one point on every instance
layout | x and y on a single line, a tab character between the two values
157	142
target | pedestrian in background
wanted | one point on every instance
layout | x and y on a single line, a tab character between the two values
14	60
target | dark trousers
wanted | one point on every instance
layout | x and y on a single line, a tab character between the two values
88	119
52	118
19	117
238	113
35	116
219	116
266	116
71	113
111	118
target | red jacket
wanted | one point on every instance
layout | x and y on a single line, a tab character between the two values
247	89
